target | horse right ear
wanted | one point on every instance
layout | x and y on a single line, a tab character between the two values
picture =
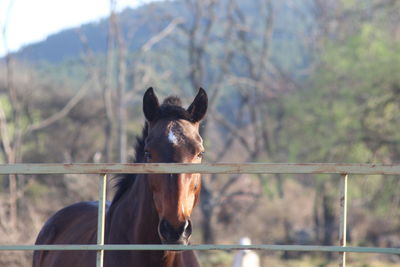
198	108
151	107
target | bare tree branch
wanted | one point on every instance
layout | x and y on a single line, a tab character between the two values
163	34
233	131
64	111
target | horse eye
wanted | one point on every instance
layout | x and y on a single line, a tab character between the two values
147	155
200	155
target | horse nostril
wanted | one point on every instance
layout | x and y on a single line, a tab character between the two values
168	232
187	229
171	234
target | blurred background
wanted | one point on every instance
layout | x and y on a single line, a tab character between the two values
289	81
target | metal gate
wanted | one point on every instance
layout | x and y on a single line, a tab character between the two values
342	170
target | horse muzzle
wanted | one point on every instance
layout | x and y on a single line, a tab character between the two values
175	235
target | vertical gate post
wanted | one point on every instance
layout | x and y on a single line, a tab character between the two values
343	218
101	218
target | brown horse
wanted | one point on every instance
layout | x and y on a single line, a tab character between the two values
146	209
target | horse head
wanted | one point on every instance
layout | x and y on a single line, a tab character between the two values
173	137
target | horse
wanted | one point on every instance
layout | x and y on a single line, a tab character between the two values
146	208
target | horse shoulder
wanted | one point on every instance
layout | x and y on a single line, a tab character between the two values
74	224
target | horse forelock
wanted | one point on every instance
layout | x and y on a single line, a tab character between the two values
172	101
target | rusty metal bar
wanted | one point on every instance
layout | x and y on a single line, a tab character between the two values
343	218
100	219
222	168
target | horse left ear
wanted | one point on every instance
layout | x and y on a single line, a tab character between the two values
198	108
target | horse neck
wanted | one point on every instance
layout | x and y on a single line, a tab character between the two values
133	218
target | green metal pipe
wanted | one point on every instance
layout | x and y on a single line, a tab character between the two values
206	247
100	219
343	218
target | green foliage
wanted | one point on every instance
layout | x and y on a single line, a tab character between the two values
36	190
8	112
5	105
72	70
351	111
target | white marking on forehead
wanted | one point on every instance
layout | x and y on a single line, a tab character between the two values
172	137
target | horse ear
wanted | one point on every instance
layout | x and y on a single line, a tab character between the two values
151	107
199	106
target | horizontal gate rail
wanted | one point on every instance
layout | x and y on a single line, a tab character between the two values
207	247
220	168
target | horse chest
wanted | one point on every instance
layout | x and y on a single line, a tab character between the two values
142	258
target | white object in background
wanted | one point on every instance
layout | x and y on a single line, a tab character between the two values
246	258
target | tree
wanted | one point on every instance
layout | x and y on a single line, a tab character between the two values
240	79
349	115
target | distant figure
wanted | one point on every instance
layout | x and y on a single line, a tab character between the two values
246	258
97	157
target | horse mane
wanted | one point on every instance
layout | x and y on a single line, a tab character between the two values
170	109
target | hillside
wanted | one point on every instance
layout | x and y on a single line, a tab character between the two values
139	25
